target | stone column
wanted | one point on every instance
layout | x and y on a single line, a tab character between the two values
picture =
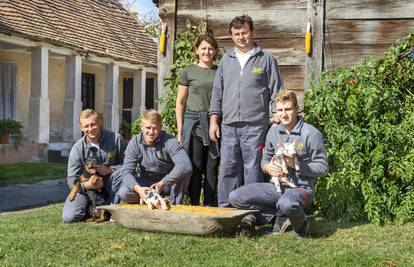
72	105
111	110
38	131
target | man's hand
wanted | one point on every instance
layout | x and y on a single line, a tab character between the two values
103	170
273	169
214	130
141	190
158	186
97	184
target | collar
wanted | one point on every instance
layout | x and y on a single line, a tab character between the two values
256	50
101	138
296	129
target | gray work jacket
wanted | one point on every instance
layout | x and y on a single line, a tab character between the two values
310	149
244	95
166	159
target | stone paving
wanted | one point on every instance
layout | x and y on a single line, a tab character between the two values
26	196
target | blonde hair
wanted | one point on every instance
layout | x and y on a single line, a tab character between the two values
286	96
86	113
152	116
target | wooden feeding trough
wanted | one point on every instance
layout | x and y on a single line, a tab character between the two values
180	219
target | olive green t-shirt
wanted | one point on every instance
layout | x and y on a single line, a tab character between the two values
200	85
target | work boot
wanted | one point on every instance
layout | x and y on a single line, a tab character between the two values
246	228
303	232
281	225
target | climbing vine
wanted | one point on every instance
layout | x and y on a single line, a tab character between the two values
183	57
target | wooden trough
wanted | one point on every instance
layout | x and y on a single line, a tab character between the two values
202	221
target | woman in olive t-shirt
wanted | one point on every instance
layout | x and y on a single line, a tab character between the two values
193	102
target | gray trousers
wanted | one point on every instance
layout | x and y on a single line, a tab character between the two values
241	154
176	191
271	204
76	210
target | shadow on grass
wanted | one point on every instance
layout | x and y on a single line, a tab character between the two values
318	228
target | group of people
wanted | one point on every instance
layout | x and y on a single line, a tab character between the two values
223	135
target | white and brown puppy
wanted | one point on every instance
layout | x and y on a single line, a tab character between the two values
155	201
284	150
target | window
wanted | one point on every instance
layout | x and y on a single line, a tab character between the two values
8	90
88	91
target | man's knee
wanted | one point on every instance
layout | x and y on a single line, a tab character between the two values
127	195
290	208
71	217
235	199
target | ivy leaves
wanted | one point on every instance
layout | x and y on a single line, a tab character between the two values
367	116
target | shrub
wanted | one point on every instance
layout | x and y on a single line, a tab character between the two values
367	116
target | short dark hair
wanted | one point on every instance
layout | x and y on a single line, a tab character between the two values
209	39
240	21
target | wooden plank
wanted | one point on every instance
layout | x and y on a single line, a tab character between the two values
368	31
288	51
346	55
267	23
165	60
240	5
314	61
369	9
293	77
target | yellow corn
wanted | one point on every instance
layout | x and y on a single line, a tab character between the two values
184	208
308	41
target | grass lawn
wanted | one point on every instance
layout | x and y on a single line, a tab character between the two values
28	173
38	238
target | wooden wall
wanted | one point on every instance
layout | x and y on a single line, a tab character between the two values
355	29
350	31
279	27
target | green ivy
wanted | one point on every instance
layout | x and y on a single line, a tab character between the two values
367	116
183	57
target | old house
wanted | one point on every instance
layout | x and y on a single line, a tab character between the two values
59	57
343	32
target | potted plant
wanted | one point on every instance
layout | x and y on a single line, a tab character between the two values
10	127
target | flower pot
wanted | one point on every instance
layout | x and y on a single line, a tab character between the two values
4	137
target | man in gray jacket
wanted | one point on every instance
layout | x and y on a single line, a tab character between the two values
287	207
246	80
154	159
109	148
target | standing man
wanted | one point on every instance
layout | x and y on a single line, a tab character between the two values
109	148
246	80
154	159
287	207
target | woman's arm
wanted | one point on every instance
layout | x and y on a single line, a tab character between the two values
182	94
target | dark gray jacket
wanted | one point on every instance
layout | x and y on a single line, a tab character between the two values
310	151
166	160
111	152
244	95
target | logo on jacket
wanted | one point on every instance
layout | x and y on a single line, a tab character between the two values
257	70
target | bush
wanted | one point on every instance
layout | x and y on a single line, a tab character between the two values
367	116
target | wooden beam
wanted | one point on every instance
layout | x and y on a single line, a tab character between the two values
168	11
315	62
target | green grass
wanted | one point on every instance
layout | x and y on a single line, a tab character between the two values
20	173
38	238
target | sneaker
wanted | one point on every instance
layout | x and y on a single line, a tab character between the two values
281	225
246	229
303	232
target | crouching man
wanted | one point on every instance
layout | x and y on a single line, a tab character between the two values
154	159
286	208
108	150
